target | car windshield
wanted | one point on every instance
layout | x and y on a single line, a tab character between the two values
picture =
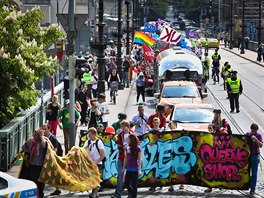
193	115
179	92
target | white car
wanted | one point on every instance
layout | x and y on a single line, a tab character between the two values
13	187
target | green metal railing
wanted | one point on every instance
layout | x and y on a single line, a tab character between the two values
20	129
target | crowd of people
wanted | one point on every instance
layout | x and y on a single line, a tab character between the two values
91	111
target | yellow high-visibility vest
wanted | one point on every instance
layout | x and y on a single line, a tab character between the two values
234	85
87	77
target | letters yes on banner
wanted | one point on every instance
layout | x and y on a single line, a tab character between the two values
170	35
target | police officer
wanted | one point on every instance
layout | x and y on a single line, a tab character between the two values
216	64
234	88
206	43
87	77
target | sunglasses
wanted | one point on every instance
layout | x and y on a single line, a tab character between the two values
210	128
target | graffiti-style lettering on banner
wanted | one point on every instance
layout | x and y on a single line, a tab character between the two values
195	158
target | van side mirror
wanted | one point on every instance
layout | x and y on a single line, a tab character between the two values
156	95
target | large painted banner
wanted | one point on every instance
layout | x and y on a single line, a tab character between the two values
195	158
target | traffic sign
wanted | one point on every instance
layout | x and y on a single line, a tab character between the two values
251	27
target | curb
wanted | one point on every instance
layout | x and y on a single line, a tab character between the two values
243	57
131	87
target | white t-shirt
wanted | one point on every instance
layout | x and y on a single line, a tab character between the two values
93	80
125	143
92	150
103	107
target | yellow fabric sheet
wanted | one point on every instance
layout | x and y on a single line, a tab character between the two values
75	171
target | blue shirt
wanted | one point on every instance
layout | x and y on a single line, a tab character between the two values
140	82
141	128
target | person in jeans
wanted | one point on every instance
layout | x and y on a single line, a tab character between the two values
257	143
140	83
122	142
132	165
126	67
64	117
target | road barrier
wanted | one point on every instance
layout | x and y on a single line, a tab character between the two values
20	129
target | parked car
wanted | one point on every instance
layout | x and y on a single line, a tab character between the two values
212	42
13	187
177	92
193	117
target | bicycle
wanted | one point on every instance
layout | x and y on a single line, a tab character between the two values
114	89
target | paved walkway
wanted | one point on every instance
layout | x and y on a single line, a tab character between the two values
122	100
249	55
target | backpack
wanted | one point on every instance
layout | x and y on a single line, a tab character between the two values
96	145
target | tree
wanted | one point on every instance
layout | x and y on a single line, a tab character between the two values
157	9
22	58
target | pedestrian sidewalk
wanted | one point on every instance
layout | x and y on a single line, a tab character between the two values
249	55
121	104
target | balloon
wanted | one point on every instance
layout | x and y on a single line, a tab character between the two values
136	70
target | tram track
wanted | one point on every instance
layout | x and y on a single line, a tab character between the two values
239	130
229	117
249	81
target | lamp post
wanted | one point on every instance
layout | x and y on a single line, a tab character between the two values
242	47
259	25
127	28
133	18
119	44
71	37
101	46
231	25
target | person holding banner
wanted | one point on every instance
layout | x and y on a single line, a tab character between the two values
132	165
257	143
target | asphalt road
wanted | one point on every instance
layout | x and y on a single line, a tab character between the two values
252	103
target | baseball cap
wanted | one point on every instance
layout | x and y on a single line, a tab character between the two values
122	116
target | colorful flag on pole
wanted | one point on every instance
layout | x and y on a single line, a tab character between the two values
170	35
141	38
148	52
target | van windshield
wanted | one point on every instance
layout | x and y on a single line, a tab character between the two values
180	92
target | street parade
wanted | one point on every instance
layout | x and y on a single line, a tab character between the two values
167	107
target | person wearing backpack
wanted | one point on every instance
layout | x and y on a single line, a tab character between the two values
93	114
96	151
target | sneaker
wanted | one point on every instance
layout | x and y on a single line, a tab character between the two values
181	187
55	192
208	190
171	189
232	111
152	189
237	111
252	192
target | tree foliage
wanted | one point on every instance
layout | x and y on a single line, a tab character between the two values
157	9
192	8
22	57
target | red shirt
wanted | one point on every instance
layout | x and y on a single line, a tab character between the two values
162	120
120	142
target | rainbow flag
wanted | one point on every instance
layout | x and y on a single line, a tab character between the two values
141	38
